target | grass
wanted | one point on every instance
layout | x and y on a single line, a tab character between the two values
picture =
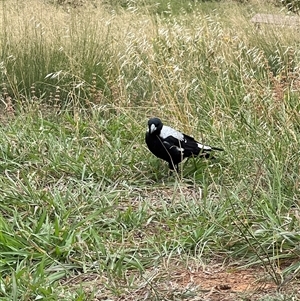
86	212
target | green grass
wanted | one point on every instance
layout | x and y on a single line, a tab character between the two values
86	212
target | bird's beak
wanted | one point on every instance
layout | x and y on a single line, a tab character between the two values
152	128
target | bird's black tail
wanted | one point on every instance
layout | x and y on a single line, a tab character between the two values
207	153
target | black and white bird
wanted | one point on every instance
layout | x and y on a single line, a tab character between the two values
173	146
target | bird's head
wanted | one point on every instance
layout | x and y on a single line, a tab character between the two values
155	125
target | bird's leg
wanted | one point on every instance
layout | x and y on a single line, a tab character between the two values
173	168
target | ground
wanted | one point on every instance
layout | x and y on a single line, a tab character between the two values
215	282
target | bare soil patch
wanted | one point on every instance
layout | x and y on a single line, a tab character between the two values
212	283
230	284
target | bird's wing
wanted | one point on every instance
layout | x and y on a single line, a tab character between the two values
173	149
173	141
190	140
180	142
169	144
186	142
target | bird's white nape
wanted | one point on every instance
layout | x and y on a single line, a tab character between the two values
167	131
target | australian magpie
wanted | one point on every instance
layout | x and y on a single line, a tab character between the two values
172	146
